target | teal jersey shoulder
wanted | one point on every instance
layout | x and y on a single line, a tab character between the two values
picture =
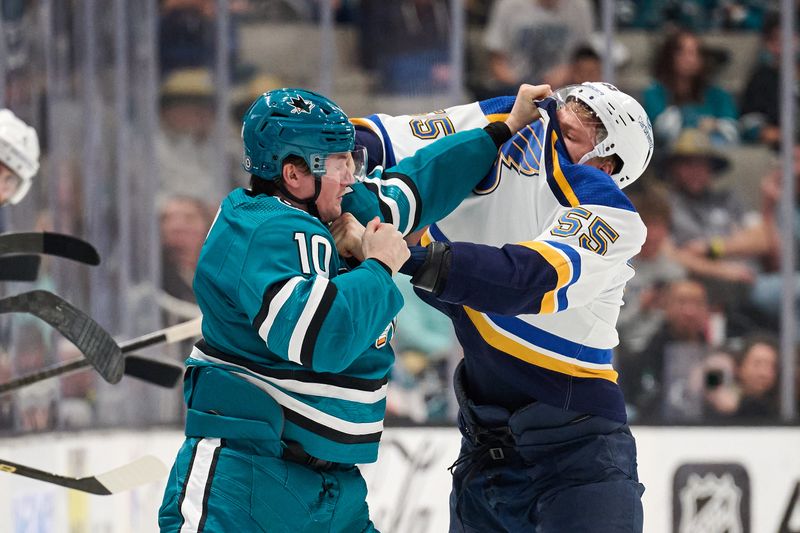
280	310
426	186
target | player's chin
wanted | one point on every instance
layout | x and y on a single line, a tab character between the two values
331	214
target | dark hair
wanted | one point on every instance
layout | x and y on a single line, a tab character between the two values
585	52
664	68
772	23
259	185
758	338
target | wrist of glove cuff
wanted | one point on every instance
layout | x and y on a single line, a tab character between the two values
499	132
432	275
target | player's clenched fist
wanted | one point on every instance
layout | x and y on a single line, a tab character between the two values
384	243
525	110
347	235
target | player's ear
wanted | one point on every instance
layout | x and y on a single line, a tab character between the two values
606	164
291	176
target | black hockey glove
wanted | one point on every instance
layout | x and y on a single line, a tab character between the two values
432	275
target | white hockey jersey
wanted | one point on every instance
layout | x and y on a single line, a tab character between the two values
536	309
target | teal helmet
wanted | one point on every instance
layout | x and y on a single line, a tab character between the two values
286	122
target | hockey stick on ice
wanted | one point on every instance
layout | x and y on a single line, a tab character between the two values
19	267
47	243
150	370
140	472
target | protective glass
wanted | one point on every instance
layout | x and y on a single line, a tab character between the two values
573	99
340	165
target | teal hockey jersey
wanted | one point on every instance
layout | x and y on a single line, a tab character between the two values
295	343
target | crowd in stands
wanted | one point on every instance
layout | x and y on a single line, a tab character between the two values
701	317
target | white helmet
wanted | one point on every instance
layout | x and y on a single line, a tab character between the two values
19	151
630	135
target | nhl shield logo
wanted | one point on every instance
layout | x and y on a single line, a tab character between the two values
711	498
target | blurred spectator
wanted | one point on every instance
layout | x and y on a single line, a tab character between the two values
245	93
187	34
188	152
716	377
704	215
531	41
656	268
696	15
35	404
760	102
185	222
758	380
6	400
408	43
682	96
585	65
76	401
655	380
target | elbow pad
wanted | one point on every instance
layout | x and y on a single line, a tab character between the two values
432	275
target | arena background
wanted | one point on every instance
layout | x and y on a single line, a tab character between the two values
138	106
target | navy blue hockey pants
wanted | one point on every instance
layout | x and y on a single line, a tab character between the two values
545	470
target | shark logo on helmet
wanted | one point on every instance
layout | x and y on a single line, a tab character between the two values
301	105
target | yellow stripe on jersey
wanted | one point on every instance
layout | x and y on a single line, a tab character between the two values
533	134
513	348
560	178
426	238
497	117
364	123
563	270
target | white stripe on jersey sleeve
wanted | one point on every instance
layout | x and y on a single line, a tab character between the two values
388	201
412	203
301	327
275	306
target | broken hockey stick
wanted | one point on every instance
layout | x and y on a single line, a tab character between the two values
19	268
140	472
47	243
98	347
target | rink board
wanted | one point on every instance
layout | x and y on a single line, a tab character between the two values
698	480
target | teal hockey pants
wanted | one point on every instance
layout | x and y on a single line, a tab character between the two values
215	487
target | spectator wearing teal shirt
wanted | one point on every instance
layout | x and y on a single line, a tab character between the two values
682	97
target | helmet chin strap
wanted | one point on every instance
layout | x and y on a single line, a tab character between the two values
589	155
309	203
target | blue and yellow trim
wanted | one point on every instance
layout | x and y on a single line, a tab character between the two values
558	175
510	346
550	303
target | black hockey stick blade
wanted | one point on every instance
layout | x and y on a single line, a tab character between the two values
155	372
140	472
179	332
95	343
19	267
47	243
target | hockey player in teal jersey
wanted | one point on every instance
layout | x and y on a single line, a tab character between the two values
531	269
286	391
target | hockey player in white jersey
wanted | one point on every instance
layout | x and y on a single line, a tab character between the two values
531	269
19	157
